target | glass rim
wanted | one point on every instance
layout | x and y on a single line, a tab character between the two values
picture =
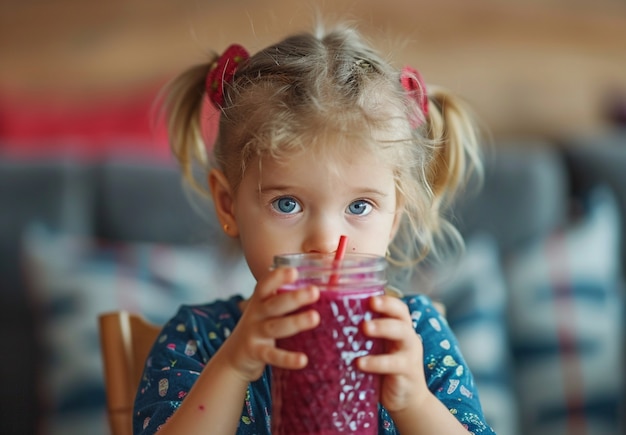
349	261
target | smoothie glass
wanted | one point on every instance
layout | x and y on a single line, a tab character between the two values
330	395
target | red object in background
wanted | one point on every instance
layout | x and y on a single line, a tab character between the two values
122	125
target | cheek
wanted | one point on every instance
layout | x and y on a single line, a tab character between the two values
258	270
258	261
259	249
371	244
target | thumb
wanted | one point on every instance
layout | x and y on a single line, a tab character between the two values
278	277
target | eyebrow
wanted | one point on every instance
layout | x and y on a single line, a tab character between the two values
272	188
263	188
371	192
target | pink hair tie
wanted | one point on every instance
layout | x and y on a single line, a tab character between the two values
223	71
415	87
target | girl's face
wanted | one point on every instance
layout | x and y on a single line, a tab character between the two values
302	205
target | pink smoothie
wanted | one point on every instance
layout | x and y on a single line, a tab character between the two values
330	395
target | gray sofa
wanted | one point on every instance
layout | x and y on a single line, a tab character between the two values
535	196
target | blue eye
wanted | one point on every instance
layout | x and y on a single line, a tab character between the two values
360	208
287	205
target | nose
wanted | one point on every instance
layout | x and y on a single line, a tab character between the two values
321	245
321	239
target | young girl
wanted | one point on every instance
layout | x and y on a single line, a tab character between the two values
318	137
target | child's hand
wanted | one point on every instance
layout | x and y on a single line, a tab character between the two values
252	344
401	365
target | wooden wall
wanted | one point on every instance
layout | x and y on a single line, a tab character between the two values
532	67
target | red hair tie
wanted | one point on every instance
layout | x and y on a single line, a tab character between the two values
415	87
223	71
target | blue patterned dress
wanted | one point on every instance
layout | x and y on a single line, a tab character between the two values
189	339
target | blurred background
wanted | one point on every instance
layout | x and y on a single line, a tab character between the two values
535	67
93	217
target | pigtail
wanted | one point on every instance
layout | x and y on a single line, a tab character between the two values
455	147
447	155
183	101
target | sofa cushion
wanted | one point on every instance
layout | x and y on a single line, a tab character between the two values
92	277
148	202
565	323
56	192
600	159
523	196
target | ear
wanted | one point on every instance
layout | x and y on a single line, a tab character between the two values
224	201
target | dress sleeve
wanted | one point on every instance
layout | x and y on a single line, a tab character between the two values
172	367
447	373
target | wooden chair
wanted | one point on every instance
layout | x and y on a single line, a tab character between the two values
125	340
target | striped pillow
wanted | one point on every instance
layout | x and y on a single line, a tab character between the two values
74	279
565	307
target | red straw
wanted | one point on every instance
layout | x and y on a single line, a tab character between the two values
341	251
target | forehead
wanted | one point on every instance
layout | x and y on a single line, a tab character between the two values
338	146
331	171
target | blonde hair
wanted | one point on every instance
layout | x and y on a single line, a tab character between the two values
291	95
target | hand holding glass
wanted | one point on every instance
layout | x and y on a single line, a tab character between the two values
330	395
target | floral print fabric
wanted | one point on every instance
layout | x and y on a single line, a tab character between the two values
194	335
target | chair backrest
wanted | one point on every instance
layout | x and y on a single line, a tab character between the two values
125	340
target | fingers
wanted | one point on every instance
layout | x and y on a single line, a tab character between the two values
270	301
387	328
278	314
285	302
390	307
394	322
277	357
281	327
274	280
271	314
403	344
380	364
